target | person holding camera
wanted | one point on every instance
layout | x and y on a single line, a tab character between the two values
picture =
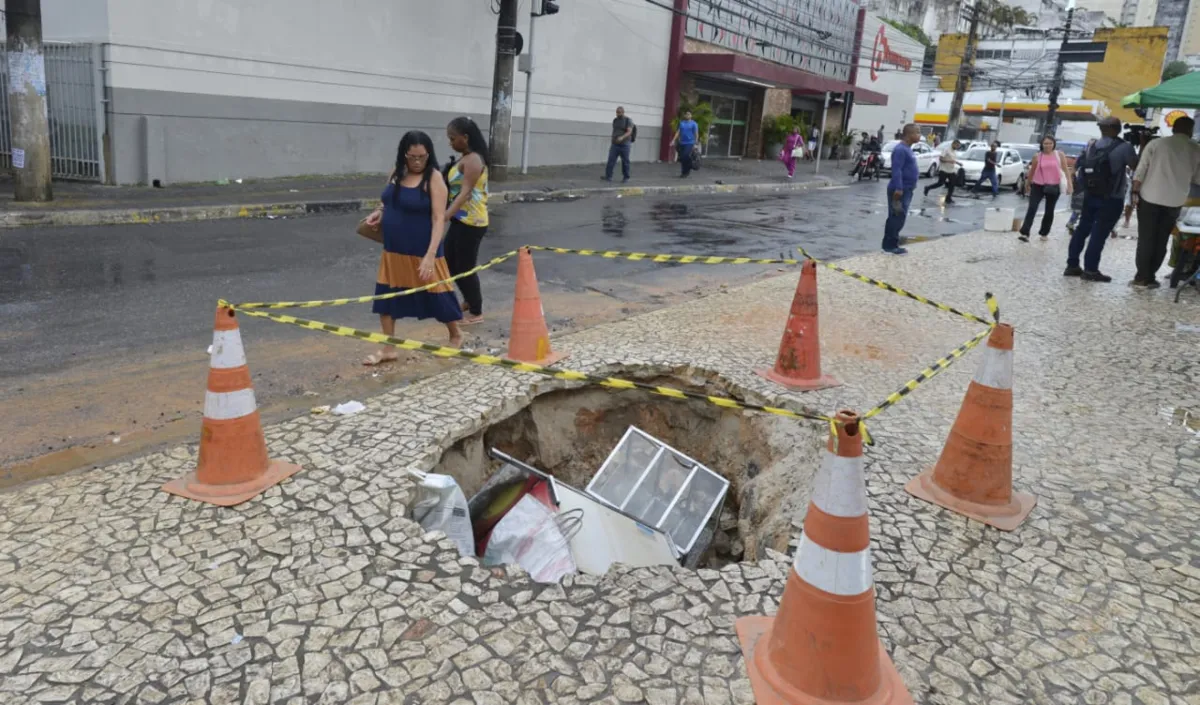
1168	168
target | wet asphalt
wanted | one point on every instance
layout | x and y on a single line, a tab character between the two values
124	295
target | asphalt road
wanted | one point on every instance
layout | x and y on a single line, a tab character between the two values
105	329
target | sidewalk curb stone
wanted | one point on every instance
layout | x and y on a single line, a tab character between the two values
184	214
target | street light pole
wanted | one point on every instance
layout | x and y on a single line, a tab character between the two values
821	134
533	15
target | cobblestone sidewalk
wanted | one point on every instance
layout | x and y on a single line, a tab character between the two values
322	591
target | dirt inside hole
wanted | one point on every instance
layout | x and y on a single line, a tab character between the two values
769	461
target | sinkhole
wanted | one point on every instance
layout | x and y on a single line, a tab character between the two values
769	461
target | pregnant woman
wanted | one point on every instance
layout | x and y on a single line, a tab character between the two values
413	218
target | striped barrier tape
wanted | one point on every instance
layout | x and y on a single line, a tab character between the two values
378	297
554	372
648	257
927	374
992	307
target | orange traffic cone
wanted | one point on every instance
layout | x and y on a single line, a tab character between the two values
529	338
973	476
233	465
822	646
798	365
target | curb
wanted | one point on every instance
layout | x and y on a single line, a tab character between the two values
186	214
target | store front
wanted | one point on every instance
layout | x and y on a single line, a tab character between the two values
731	117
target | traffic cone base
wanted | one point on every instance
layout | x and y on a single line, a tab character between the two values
799	385
769	689
1005	517
229	495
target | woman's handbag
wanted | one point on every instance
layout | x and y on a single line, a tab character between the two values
798	153
371	232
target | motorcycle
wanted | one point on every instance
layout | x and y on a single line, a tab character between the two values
867	166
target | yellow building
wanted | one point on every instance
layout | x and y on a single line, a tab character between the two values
1134	61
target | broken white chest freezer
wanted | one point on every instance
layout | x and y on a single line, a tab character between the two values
662	488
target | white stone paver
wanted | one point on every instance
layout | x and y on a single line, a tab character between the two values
323	591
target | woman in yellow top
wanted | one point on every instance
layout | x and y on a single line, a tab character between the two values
467	213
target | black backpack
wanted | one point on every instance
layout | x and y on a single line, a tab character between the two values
633	135
1098	177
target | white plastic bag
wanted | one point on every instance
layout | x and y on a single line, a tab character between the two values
442	506
529	535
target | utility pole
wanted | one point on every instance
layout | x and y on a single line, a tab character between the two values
500	125
821	134
965	69
1052	108
27	101
528	59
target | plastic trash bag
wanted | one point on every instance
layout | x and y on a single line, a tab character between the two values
530	536
442	506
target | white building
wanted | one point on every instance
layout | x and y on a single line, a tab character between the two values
198	90
891	64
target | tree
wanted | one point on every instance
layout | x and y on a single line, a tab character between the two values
911	30
1175	69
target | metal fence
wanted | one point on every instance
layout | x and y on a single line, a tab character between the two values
73	94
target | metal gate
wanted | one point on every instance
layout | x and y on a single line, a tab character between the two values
74	107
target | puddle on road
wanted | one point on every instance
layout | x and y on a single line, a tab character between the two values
1188	419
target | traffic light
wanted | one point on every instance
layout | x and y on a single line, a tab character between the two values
549	7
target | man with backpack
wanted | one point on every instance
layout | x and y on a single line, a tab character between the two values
624	133
1101	170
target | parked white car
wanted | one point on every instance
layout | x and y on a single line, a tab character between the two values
1027	152
926	158
1009	165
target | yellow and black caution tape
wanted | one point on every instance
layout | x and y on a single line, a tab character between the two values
916	297
554	372
379	297
927	374
648	257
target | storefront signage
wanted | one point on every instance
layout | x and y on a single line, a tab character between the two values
883	54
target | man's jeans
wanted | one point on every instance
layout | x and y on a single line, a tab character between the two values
618	150
988	175
1096	221
1155	224
685	158
895	221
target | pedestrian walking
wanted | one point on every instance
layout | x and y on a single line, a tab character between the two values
1102	170
879	134
947	170
793	144
813	141
623	131
989	170
900	188
685	140
1044	181
1165	173
413	256
468	211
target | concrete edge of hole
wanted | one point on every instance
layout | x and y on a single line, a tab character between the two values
551	420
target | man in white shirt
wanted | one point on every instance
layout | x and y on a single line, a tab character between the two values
1168	168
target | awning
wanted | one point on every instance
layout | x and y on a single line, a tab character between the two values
745	69
1180	92
1082	112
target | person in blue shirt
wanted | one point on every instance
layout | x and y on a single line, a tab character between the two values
685	141
900	188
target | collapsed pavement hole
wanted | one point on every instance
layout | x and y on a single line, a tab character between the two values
769	461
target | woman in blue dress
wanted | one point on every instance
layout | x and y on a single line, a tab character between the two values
413	228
